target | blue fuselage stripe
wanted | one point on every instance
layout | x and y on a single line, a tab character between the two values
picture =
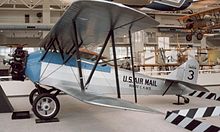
33	65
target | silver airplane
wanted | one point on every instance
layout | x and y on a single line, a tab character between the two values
59	66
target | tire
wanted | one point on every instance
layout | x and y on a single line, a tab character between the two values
32	96
189	37
186	100
46	106
199	36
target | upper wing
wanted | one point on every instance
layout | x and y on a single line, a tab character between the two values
94	19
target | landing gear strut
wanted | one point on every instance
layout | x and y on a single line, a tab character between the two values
186	100
39	90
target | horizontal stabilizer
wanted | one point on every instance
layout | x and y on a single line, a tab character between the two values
105	101
195	87
192	86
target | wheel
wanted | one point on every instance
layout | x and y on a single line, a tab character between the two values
46	106
186	100
199	36
189	37
33	95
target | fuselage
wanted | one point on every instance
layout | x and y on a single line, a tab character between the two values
169	5
51	72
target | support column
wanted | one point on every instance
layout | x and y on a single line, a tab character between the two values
138	44
203	42
46	14
203	47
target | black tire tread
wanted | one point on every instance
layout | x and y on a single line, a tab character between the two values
35	106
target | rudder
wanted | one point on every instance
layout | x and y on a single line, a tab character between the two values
187	72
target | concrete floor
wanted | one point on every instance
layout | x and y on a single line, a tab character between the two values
80	117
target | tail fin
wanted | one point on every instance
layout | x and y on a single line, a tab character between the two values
187	72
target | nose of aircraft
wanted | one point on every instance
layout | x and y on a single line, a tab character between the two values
18	63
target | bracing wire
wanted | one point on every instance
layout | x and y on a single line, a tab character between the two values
75	76
46	67
52	72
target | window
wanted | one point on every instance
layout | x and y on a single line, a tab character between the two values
27	18
120	52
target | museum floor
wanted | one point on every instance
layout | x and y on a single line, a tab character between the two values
76	116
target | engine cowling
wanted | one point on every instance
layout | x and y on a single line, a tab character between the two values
18	63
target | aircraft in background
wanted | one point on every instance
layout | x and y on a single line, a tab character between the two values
162	5
60	67
198	24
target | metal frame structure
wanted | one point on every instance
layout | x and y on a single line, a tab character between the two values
74	50
36	5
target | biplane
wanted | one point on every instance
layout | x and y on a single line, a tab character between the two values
201	23
162	5
60	67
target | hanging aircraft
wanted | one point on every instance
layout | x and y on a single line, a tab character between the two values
59	66
204	22
162	5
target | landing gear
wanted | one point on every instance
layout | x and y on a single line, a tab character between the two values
46	106
34	93
186	100
189	37
199	36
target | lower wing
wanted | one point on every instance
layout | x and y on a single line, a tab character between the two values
103	101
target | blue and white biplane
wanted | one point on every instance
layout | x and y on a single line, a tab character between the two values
60	67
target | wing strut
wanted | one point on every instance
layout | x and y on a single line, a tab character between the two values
98	58
110	34
48	48
78	58
115	64
73	50
132	63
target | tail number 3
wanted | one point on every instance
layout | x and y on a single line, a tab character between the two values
191	76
